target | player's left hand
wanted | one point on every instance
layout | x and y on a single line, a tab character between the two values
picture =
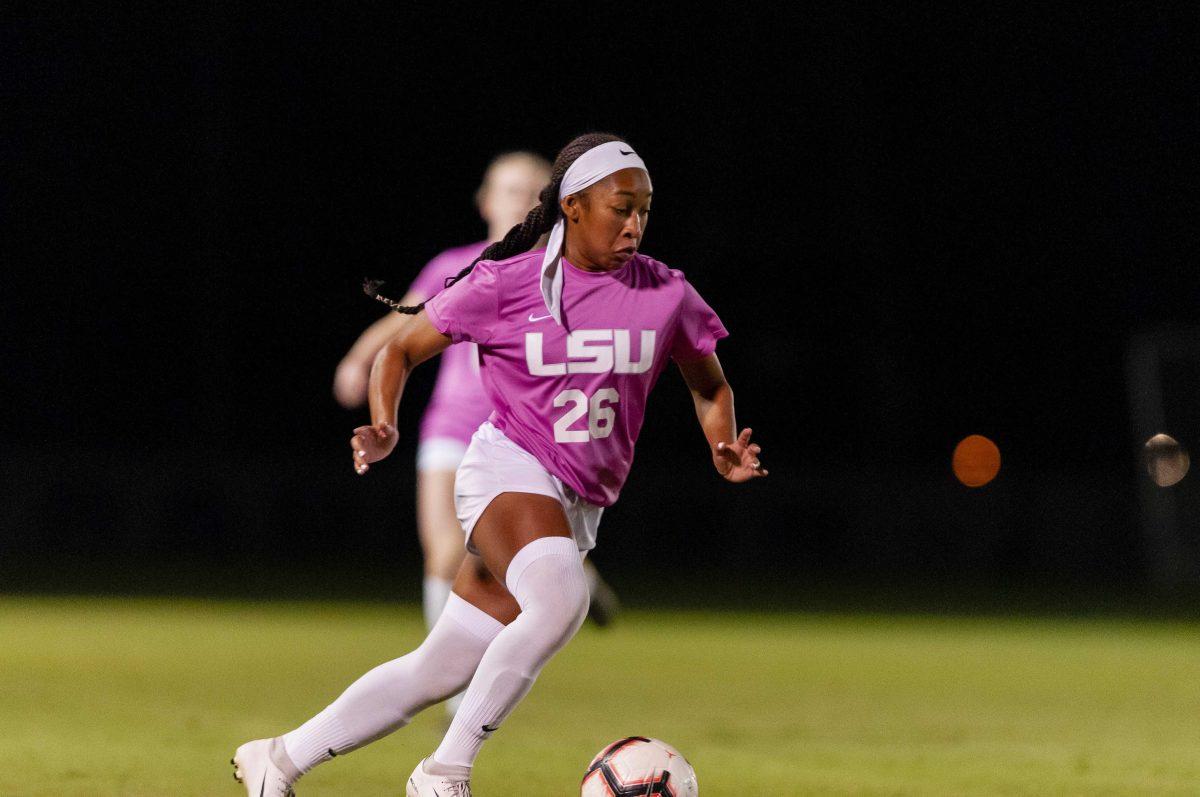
738	461
371	444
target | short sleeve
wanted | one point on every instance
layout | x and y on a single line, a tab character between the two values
697	328
431	279
469	310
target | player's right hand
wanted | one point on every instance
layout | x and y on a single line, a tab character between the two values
371	444
350	384
738	461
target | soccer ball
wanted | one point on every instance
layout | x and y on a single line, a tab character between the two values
638	766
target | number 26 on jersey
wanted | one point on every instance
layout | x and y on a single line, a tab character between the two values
598	409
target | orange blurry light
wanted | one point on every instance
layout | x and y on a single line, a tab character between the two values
976	460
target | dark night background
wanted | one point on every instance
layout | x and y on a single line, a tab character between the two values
916	225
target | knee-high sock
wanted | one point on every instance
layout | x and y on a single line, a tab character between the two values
436	591
388	697
452	704
546	577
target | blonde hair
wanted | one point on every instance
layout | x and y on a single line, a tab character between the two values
531	159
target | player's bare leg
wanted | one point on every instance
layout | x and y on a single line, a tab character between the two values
441	538
476	585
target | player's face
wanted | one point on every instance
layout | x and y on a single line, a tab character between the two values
510	192
608	220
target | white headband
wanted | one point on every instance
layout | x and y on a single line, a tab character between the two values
588	169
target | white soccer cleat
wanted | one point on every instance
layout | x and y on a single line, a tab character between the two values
422	784
255	768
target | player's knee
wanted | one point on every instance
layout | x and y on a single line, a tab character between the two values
548	581
560	615
569	605
577	600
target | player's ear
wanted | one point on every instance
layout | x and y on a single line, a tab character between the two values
572	207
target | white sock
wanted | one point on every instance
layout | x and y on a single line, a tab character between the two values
436	592
434	596
546	577
389	696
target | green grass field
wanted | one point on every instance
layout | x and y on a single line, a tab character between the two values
148	697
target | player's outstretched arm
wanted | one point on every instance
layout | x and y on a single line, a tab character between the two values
734	456
415	343
350	378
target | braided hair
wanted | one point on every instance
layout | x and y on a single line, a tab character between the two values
525	235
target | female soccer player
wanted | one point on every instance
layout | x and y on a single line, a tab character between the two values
458	404
571	338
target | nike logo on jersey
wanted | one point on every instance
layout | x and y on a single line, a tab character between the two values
623	152
592	351
541	317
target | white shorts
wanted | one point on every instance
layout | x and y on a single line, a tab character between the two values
440	453
494	464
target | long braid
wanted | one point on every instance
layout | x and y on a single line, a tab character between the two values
523	236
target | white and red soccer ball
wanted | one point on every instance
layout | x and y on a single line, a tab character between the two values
639	767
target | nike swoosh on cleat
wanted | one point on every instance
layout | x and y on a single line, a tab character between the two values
623	152
541	317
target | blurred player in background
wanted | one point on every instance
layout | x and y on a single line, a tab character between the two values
458	404
537	476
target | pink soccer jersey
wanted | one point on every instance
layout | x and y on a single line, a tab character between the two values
574	396
458	403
